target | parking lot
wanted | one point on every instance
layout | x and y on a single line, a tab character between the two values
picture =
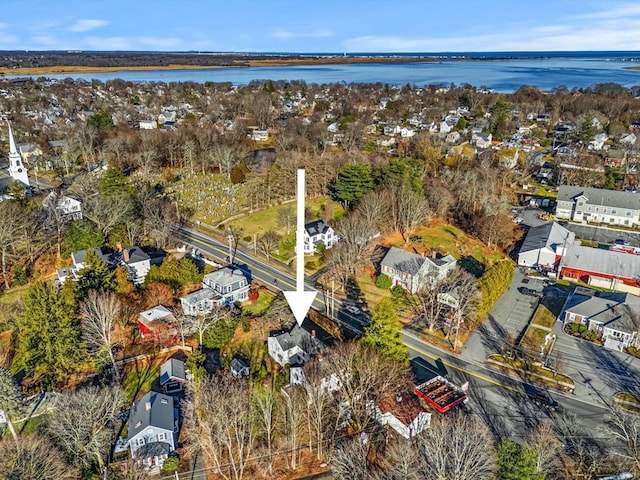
507	320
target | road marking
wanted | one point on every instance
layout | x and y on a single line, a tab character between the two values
473	374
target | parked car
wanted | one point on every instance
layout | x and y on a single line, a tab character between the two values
622	242
352	309
543	400
531	292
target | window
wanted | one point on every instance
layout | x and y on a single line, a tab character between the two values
597	209
613	211
628	213
162	437
580	204
140	442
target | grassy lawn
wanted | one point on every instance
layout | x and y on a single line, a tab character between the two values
31	425
542	375
447	239
138	377
543	317
13	294
371	294
627	397
262	221
535	336
260	306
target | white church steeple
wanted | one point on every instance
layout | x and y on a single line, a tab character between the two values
17	170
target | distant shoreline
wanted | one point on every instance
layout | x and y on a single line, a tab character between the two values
275	62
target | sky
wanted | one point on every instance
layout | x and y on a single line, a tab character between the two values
308	26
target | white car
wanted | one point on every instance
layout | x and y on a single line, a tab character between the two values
352	309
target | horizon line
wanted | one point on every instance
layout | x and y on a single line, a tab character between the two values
240	52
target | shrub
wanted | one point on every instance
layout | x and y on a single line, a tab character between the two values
245	321
170	464
383	281
253	295
397	292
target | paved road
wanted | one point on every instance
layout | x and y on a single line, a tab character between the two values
266	274
501	399
602	235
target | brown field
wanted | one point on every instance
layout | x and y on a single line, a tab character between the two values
276	62
82	69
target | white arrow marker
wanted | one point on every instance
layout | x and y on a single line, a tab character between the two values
299	300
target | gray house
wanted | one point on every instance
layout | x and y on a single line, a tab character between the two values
223	287
172	375
153	429
412	271
614	315
597	205
295	347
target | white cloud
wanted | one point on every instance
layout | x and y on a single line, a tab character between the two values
133	43
316	33
87	24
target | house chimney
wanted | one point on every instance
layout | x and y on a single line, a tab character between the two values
434	255
147	406
313	333
119	246
126	255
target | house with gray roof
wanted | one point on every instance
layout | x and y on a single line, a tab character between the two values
296	346
134	259
544	245
616	316
413	271
611	269
153	429
172	375
597	205
316	233
223	287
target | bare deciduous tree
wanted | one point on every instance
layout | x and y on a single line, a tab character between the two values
34	458
202	323
12	219
410	210
456	448
544	440
80	423
100	311
268	243
292	421
221	424
265	405
106	213
364	376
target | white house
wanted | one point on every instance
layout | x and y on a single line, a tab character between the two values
134	259
148	125
67	208
404	414
482	140
294	347
318	232
153	429
544	245
223	287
